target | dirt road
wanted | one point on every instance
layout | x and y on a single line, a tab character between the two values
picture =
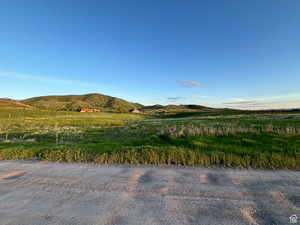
44	193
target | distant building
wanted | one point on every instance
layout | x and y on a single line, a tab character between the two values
135	111
86	109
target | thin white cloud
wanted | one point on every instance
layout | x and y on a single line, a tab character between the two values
174	99
237	99
240	103
46	79
291	100
189	83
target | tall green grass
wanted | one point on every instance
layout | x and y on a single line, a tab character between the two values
157	156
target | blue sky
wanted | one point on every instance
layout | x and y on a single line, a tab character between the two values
223	53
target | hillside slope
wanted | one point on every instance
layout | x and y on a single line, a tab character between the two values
73	102
174	108
6	103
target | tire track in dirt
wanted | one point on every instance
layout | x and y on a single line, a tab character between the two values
147	188
234	205
119	212
173	207
170	187
203	178
249	208
133	181
12	174
271	206
279	197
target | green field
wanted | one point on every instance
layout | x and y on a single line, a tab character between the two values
216	138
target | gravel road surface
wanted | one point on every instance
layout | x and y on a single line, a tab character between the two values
44	193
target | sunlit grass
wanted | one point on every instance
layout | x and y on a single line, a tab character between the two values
266	141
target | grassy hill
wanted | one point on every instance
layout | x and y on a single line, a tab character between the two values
73	102
174	109
6	104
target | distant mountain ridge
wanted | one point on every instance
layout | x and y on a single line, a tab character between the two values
74	102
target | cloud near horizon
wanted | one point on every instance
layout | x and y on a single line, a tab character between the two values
174	99
275	102
246	104
189	83
241	103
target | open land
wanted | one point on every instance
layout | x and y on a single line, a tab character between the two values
216	138
203	167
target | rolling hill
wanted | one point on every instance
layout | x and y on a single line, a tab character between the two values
174	108
97	101
73	102
6	103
